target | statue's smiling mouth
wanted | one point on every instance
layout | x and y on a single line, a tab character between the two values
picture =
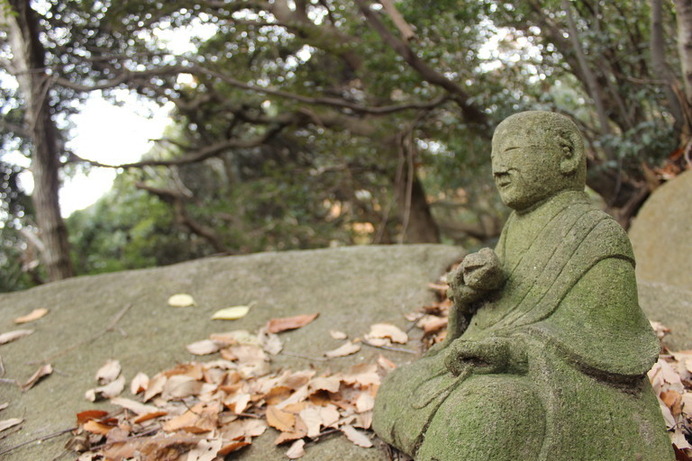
502	179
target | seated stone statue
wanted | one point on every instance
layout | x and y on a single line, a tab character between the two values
547	349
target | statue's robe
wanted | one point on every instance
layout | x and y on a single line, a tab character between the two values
570	307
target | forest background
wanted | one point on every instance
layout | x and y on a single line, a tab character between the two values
313	123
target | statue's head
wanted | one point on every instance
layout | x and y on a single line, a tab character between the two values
535	155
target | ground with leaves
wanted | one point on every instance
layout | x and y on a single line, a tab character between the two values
277	369
126	316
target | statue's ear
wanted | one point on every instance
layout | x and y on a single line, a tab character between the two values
569	157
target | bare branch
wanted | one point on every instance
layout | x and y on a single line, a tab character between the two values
472	113
405	29
128	76
198	156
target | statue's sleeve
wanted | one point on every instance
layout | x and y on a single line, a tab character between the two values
599	325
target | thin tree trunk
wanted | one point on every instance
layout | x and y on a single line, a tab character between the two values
684	21
29	67
659	65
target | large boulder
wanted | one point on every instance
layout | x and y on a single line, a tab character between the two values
661	237
125	316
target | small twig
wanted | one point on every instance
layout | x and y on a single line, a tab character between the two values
111	326
2	367
38	440
390	348
9	381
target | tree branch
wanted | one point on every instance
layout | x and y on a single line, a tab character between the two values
471	113
198	156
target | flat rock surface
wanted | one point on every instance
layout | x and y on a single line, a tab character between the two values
125	316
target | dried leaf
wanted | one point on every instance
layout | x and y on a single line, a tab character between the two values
312	419
8	423
14	335
357	437
200	418
386	330
4	405
97	427
155	386
42	372
108	391
205	450
279	419
326	383
34	315
149	416
181	300
386	364
108	372
271	343
365	402
181	386
88	415
338	334
231	313
231	447
290	323
134	406
204	347
297	450
139	383
347	348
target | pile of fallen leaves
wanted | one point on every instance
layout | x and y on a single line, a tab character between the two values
205	410
202	411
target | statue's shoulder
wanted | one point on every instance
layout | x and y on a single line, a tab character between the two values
607	234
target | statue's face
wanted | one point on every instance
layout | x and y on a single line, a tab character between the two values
526	166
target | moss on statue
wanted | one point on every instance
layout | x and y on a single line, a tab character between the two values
547	349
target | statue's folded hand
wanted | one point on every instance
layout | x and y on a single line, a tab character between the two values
478	274
487	356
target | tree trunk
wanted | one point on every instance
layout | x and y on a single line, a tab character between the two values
28	61
684	20
419	226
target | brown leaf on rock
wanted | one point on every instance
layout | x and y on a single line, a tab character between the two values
88	415
97	427
139	383
297	450
345	349
199	419
8	423
181	386
337	334
387	331
34	315
206	450
108	372
134	406
13	335
290	323
280	419
357	437
231	447
38	375
204	347
108	391
386	364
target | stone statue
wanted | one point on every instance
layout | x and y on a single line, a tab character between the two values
547	349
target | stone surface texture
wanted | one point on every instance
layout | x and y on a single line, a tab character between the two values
551	364
661	237
351	288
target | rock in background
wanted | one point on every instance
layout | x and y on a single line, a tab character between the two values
662	239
